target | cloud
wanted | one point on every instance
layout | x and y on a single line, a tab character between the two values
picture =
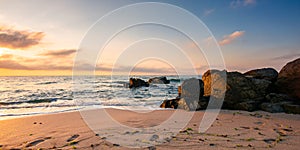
208	12
15	39
11	64
230	38
63	52
286	57
241	3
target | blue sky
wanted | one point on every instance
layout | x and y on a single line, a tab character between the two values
256	33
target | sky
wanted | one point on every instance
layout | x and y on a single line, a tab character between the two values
43	37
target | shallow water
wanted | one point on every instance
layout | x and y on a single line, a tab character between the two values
37	95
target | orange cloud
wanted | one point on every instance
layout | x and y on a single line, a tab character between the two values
15	39
229	38
63	52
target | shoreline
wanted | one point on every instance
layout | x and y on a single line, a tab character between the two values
232	129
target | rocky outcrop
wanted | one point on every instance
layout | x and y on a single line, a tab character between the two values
239	92
159	80
289	79
260	89
136	82
269	74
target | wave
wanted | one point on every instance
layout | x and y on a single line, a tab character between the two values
42	83
30	101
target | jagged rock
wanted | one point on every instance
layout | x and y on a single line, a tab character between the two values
159	80
269	74
191	96
289	79
214	83
136	82
241	92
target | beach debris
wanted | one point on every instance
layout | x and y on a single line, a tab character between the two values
73	137
269	141
151	148
154	137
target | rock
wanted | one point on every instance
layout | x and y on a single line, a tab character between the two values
291	108
276	98
154	137
192	90
289	79
177	103
269	74
214	83
241	92
159	80
191	97
272	107
262	86
136	82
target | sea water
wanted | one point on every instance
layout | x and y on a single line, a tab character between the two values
20	96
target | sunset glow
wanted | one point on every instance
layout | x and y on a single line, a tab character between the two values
47	43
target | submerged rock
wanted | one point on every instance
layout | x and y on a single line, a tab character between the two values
159	80
136	82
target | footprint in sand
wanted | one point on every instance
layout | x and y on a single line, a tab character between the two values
73	137
36	142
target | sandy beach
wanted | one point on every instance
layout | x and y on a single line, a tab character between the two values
231	130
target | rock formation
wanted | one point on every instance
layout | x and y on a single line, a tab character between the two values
136	82
159	80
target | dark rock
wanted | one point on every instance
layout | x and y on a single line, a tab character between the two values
191	96
289	79
136	82
291	108
192	90
276	98
159	80
178	103
240	92
272	107
269	74
173	103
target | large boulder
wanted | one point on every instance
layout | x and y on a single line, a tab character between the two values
289	79
136	82
269	74
191	97
159	80
238	91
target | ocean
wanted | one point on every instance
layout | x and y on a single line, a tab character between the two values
23	96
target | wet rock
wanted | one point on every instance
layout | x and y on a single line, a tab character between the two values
136	82
268	74
159	80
